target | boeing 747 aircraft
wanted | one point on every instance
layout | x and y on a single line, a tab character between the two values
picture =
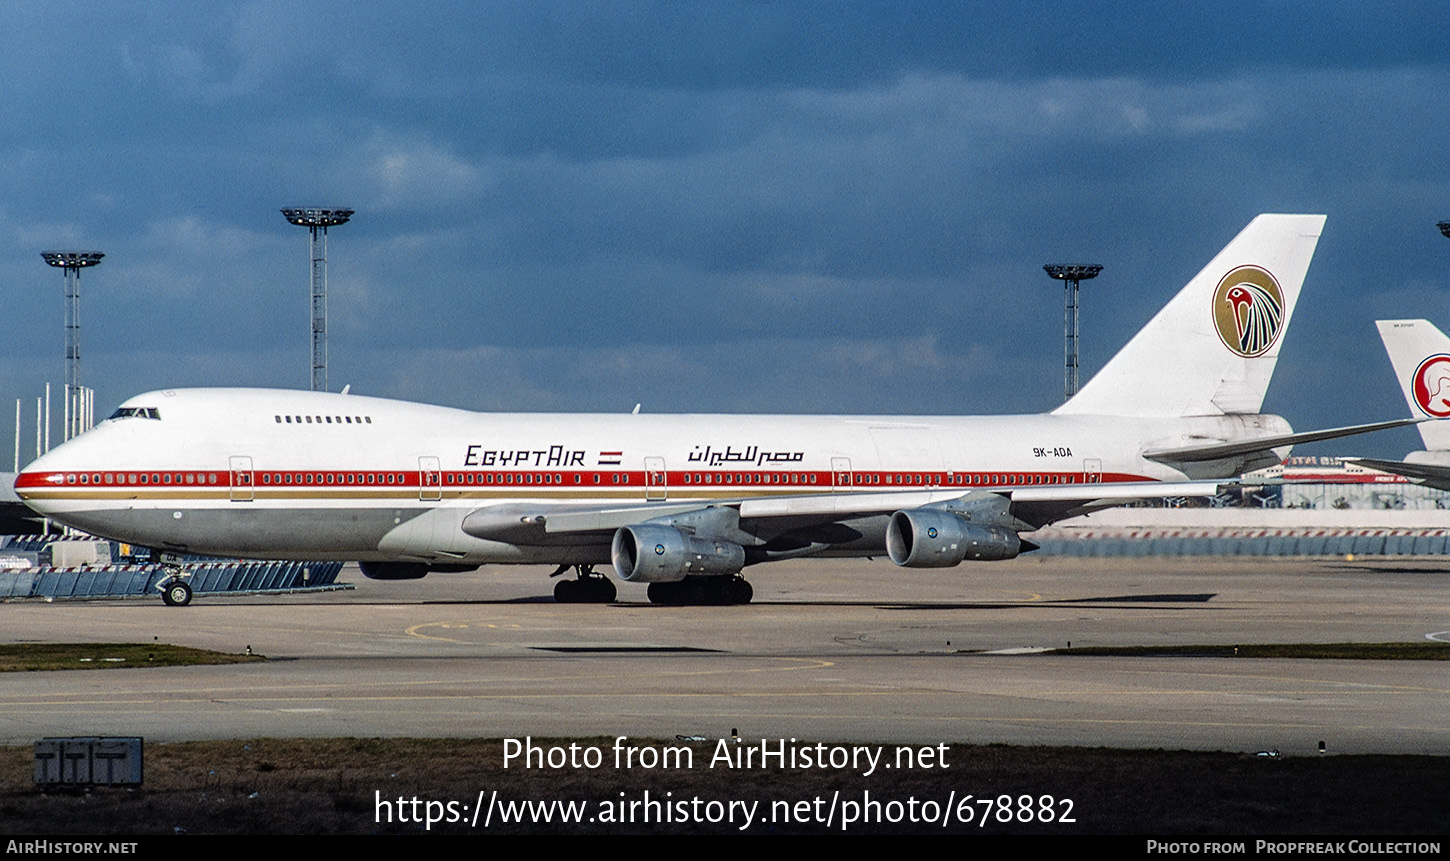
685	503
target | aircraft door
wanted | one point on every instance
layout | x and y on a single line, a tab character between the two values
841	473
656	487
430	479
242	483
1092	470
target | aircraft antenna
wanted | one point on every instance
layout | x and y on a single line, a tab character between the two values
77	409
1070	275
317	219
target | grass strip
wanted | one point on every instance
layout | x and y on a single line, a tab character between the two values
32	657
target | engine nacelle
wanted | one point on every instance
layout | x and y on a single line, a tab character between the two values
928	538
394	570
663	554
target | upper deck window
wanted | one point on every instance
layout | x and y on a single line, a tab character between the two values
137	413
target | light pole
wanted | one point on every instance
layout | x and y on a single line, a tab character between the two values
1070	275
77	406
317	219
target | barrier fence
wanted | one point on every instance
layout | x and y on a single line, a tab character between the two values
205	578
1242	542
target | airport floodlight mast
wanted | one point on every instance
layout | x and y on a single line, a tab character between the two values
1070	276
317	219
77	407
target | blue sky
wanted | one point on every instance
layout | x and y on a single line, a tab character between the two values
773	207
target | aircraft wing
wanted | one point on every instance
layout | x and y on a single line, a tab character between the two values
1429	474
1036	505
1238	448
1033	506
512	522
1040	506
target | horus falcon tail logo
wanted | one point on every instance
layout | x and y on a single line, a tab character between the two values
1248	311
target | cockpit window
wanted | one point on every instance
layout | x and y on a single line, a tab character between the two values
137	413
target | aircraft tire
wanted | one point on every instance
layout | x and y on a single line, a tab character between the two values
586	590
176	594
668	594
738	591
702	592
601	590
712	592
568	592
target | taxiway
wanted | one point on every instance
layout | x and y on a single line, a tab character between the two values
830	651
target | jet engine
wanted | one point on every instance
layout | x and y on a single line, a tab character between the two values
927	538
663	554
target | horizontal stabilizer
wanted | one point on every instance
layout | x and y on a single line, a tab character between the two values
1219	450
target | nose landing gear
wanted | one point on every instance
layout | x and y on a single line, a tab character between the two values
176	594
175	591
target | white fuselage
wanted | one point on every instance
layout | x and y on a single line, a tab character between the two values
292	474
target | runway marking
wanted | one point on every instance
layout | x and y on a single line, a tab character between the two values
1031	596
1320	686
227	694
1438	636
415	630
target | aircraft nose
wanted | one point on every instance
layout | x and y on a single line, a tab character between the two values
44	474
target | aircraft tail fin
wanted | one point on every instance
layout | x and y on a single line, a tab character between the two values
1212	349
1420	353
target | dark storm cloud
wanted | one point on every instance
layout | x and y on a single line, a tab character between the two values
734	206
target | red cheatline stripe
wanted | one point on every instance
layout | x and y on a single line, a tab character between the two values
676	480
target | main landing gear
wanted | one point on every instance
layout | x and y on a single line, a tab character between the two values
712	591
592	588
588	588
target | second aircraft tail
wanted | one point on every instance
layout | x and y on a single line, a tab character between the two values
1420	353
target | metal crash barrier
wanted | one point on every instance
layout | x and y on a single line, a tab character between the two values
1242	542
140	581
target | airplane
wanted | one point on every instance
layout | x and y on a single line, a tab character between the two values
1420	354
684	503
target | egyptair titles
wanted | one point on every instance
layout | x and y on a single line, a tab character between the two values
750	454
554	455
563	456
